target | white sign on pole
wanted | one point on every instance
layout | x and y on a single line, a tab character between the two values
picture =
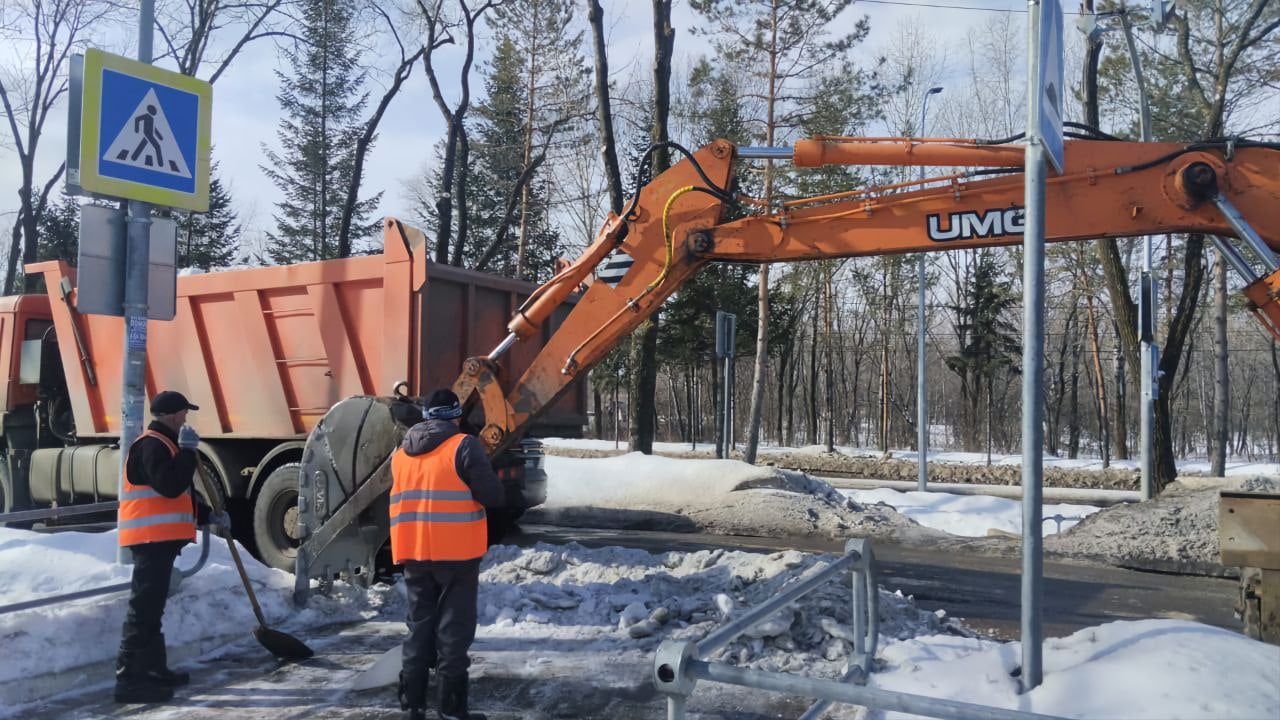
1050	82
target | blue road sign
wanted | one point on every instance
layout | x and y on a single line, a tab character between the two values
1050	82
144	133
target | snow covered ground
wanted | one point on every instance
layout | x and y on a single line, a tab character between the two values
567	630
1235	466
581	625
970	515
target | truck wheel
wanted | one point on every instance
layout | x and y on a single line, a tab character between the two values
275	518
6	492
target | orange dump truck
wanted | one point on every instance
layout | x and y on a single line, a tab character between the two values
264	352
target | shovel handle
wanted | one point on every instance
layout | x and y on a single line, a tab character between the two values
215	502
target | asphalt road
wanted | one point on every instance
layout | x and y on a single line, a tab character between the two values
984	590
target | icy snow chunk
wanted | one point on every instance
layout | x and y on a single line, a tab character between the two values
724	604
632	614
621	600
835	649
835	629
776	625
539	562
555	601
642	629
506	618
660	616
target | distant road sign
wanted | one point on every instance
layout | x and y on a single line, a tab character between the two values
1050	81
144	133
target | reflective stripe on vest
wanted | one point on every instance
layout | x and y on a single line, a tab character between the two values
433	514
146	516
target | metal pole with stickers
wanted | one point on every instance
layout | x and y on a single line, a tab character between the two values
138	136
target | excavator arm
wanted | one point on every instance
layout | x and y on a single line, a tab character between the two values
675	225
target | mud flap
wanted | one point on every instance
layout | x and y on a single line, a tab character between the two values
343	512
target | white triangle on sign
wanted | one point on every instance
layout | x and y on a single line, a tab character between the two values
146	141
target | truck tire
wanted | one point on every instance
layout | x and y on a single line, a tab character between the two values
275	518
6	492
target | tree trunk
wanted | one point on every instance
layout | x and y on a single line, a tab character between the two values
646	359
811	426
608	148
1120	418
1220	432
830	387
1101	388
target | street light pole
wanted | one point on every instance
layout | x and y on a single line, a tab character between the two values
922	405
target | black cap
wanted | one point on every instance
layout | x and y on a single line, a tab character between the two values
443	405
168	402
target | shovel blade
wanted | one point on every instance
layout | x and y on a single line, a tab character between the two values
282	644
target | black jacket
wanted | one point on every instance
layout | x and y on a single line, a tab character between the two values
170	475
470	462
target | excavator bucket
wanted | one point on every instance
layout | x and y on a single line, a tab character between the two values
343	489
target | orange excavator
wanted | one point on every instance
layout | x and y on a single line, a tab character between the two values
675	225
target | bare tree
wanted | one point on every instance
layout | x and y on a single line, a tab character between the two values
190	29
44	33
608	145
401	73
440	29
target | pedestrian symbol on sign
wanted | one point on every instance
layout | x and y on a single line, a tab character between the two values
146	141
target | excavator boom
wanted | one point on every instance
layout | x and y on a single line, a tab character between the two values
675	225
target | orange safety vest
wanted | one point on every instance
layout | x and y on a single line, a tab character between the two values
146	516
433	514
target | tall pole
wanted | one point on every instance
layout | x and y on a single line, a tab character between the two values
137	257
1146	292
1033	371
922	402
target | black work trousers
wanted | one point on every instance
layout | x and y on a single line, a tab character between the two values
442	616
152	567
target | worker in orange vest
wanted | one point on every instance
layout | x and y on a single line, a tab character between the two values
157	517
442	482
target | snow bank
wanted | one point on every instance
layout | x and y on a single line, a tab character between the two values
1157	669
636	480
726	497
211	604
969	515
1235	466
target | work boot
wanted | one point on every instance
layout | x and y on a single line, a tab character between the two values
134	684
452	694
413	696
159	670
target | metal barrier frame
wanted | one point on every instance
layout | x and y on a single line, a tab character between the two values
678	666
56	512
175	581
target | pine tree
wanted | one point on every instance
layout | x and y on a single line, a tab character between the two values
544	57
989	343
497	155
59	230
323	101
211	239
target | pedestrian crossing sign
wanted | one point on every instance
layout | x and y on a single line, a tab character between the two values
144	133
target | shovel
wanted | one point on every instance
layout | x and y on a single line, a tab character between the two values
281	644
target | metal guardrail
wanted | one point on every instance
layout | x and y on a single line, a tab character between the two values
175	581
678	664
57	513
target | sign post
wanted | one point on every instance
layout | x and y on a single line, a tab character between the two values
726	336
1044	143
143	137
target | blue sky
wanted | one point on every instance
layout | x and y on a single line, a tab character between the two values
246	111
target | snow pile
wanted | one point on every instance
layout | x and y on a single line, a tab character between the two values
726	497
611	599
969	515
1157	669
1236	467
1178	528
210	605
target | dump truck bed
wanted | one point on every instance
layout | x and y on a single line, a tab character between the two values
266	352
